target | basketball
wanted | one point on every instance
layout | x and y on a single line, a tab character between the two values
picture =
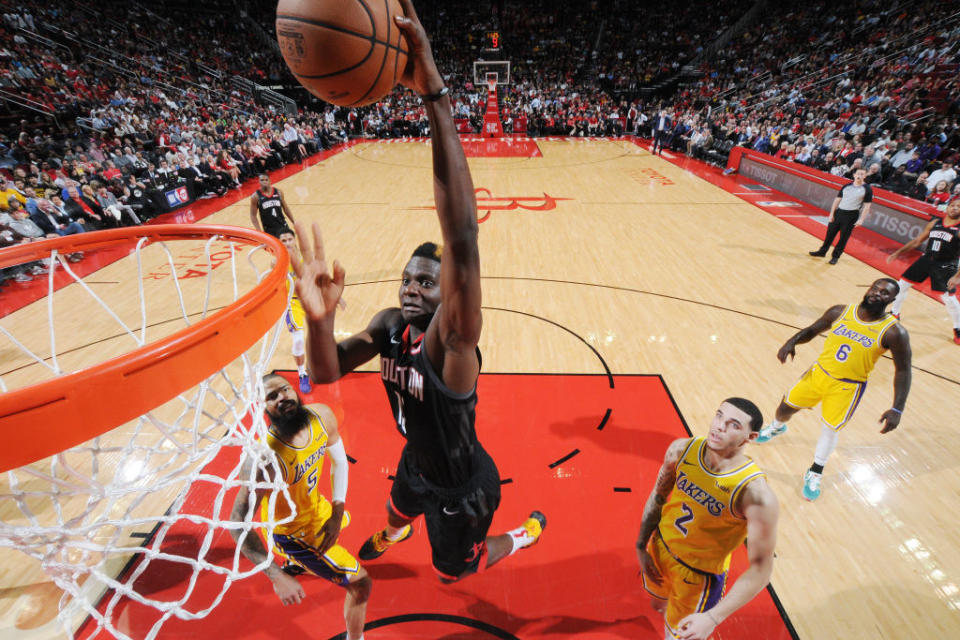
346	52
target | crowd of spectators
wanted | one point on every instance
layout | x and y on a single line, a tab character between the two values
120	102
837	88
123	113
804	82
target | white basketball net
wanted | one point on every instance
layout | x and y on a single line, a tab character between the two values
90	510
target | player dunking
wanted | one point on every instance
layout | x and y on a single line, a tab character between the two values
858	335
268	206
940	262
708	498
301	436
429	360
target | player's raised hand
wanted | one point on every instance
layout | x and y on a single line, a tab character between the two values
319	290
890	420
421	73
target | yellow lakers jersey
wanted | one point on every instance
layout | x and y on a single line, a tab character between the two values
291	280
697	523
300	468
853	346
297	317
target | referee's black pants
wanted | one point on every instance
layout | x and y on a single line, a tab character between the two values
843	223
658	139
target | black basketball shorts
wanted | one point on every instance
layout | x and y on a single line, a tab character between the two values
938	272
458	541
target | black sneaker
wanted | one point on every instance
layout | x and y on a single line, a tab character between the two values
818	253
377	544
834	259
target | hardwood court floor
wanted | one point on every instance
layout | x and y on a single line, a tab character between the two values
599	244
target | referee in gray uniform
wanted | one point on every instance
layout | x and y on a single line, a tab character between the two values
845	214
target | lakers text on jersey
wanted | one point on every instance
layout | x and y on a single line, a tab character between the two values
698	532
853	346
698	524
298	539
300	468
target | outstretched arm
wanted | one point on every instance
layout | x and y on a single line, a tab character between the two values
809	333
453	336
655	501
898	341
320	292
913	244
759	506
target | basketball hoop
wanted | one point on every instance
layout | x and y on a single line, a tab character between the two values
90	451
492	79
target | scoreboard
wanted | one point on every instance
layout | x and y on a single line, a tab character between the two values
491	41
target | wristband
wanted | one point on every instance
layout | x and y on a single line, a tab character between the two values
897	410
433	97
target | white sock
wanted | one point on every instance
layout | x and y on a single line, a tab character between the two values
904	290
302	370
953	308
520	538
394	534
776	424
825	445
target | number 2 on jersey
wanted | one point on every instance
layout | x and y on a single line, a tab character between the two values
680	523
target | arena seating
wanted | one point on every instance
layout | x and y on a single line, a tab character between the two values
132	96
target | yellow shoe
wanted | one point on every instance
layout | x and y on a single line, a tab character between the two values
534	526
378	543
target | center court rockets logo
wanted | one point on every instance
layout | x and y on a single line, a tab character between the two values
487	203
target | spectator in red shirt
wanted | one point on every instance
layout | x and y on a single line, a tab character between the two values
940	194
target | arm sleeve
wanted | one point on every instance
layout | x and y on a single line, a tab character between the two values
867	193
339	470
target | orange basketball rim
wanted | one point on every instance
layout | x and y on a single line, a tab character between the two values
49	417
